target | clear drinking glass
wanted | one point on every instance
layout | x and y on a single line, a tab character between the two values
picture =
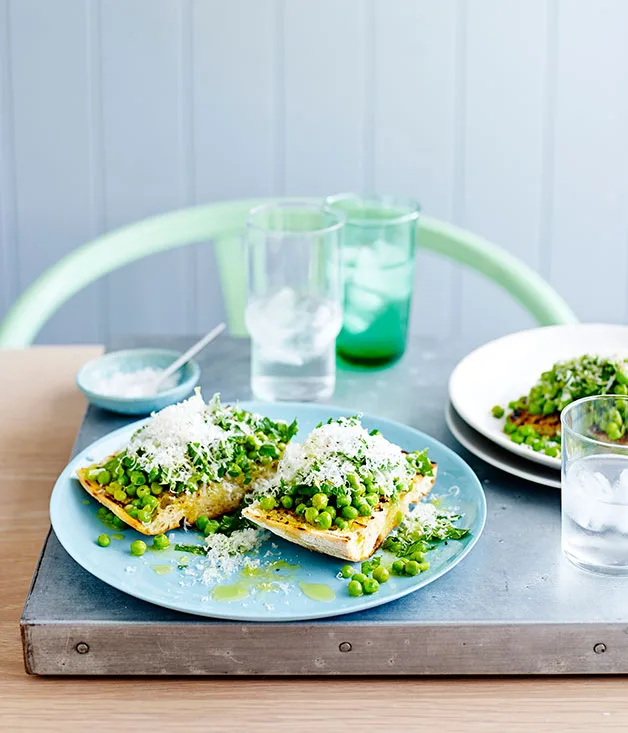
294	309
378	269
595	484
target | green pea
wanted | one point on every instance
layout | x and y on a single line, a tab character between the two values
331	510
320	501
102	511
252	442
411	568
370	586
161	541
355	589
509	427
372	499
549	407
517	438
381	574
346	571
300	510
324	520
201	522
253	456
267	503
142	491
104	540
103	477
365	510
527	431
551	450
418	556
423	566
138	548
535	408
398	566
150	501
119	495
118	523
349	512
156	488
286	502
614	431
131	490
340	523
265	460
131	511
144	515
311	513
498	411
343	500
138	478
538	445
354	481
153	474
137	503
359	577
122	478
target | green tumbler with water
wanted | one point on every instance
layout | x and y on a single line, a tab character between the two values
377	257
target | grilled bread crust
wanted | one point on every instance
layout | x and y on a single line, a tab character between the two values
355	544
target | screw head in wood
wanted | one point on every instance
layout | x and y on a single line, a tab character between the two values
82	647
345	647
599	648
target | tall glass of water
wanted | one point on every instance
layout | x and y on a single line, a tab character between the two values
294	310
378	268
595	483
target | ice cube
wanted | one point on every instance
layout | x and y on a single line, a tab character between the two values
362	307
384	269
585	498
621	488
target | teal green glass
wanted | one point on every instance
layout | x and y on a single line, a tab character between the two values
378	272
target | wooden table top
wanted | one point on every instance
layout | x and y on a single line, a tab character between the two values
39	414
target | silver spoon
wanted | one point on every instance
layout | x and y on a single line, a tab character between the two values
189	354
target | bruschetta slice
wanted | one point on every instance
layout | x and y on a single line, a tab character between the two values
342	491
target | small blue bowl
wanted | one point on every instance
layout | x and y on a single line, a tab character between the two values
133	360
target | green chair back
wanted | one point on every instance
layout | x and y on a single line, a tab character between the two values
223	223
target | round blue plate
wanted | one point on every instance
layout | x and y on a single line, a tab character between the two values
278	591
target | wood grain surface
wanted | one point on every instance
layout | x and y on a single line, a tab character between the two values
40	411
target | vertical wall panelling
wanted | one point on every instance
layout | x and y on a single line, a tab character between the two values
235	103
49	82
589	255
142	151
414	124
505	80
324	96
8	244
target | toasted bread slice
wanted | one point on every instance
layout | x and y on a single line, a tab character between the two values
355	544
211	500
546	425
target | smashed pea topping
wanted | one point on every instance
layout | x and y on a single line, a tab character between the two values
565	382
339	473
188	445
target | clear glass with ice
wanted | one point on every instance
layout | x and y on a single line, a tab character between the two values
595	484
294	310
377	257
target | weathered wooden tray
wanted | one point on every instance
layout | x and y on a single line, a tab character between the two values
514	606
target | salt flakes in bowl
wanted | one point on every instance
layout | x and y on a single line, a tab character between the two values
123	381
140	383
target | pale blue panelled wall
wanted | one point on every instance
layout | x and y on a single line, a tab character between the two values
508	118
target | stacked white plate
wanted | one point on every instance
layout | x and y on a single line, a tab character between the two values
505	369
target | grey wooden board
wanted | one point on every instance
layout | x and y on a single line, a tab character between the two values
514	606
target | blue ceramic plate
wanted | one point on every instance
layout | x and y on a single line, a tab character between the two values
289	575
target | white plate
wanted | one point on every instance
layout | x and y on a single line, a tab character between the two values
491	453
505	369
